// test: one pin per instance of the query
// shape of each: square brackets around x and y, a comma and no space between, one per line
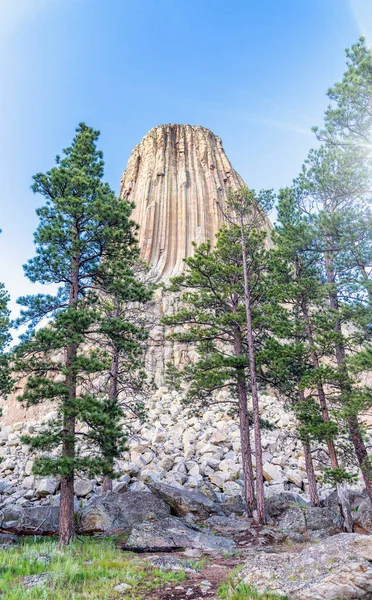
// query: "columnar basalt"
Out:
[175,176]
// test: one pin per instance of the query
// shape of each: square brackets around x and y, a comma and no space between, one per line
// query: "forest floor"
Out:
[95,569]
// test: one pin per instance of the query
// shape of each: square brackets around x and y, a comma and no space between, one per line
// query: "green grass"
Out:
[243,591]
[85,570]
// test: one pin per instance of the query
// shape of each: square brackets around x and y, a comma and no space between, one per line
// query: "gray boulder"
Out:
[38,519]
[363,516]
[46,487]
[119,512]
[309,518]
[5,487]
[173,532]
[280,503]
[83,487]
[183,501]
[10,515]
[355,496]
[339,567]
[233,505]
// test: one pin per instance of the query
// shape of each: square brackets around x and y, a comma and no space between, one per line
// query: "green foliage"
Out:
[335,476]
[213,314]
[85,243]
[244,591]
[87,568]
[348,119]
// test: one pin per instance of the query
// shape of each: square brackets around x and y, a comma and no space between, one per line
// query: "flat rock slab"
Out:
[174,532]
[119,512]
[309,518]
[339,567]
[184,501]
[33,519]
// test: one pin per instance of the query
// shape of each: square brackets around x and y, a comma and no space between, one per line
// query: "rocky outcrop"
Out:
[175,176]
[119,512]
[339,567]
[173,532]
[183,502]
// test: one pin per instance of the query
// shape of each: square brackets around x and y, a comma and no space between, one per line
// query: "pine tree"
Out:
[348,119]
[297,282]
[214,313]
[123,332]
[246,211]
[83,229]
[332,187]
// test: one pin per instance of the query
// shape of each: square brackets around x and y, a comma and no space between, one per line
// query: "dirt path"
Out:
[210,569]
[201,584]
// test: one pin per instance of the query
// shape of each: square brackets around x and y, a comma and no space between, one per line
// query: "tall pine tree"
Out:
[83,229]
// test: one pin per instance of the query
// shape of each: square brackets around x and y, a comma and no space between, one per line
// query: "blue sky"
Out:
[254,71]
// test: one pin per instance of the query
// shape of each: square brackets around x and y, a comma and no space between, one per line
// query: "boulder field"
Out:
[302,554]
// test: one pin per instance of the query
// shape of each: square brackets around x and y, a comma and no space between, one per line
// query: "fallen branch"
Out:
[149,549]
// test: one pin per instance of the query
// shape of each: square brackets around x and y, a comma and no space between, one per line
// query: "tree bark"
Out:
[342,491]
[313,488]
[320,389]
[66,507]
[245,437]
[261,516]
[345,508]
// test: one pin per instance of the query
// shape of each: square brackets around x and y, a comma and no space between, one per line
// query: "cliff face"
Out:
[174,177]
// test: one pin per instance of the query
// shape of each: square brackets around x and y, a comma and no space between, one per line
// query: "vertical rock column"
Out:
[174,177]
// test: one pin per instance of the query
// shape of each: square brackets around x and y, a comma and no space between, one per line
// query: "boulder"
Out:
[310,518]
[271,473]
[174,532]
[5,487]
[339,567]
[295,477]
[40,518]
[363,516]
[116,511]
[36,519]
[10,515]
[83,487]
[46,487]
[278,504]
[293,519]
[233,505]
[184,501]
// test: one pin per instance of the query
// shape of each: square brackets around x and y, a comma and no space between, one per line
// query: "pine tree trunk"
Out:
[246,449]
[345,508]
[261,516]
[361,452]
[320,389]
[66,508]
[66,511]
[342,491]
[313,488]
[245,438]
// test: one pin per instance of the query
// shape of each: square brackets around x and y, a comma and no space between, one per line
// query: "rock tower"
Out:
[174,176]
